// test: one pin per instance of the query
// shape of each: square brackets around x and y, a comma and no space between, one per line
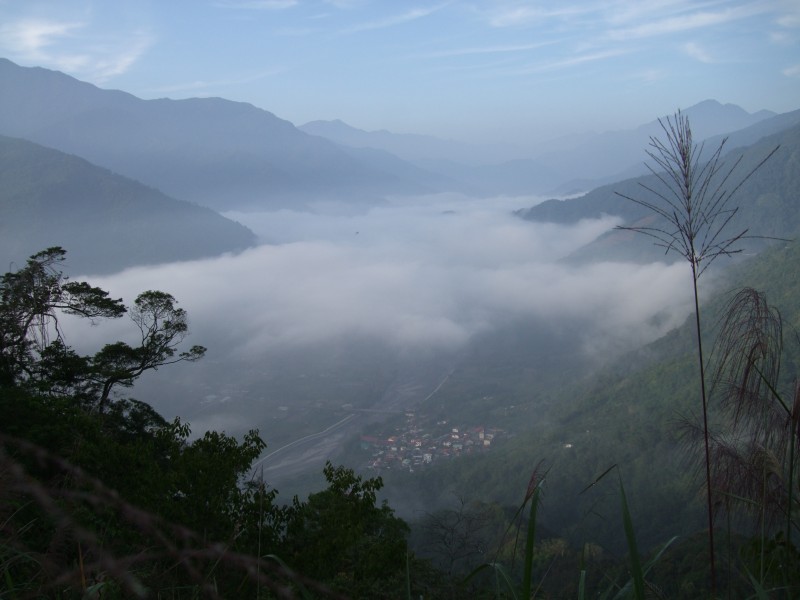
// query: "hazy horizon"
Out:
[485,71]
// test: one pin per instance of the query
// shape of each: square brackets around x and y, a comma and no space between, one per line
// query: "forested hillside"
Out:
[635,415]
[767,201]
[103,497]
[108,222]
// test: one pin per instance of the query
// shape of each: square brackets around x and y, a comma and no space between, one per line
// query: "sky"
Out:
[474,70]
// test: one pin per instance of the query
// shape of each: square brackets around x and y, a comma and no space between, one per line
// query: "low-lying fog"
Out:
[413,275]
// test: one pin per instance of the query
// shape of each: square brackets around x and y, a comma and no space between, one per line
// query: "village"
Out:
[415,445]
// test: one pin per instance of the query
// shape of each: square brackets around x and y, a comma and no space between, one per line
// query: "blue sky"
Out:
[480,70]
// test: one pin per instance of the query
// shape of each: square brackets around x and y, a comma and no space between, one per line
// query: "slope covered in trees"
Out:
[102,496]
[641,417]
[638,414]
[108,222]
[768,203]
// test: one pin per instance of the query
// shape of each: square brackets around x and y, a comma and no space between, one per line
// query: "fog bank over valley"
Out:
[366,295]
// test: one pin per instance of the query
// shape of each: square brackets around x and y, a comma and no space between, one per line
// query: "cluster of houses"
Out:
[411,447]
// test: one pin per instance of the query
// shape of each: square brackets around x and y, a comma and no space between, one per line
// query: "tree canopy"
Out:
[34,355]
[99,492]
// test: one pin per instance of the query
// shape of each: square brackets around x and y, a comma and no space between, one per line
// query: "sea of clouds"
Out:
[414,272]
[416,277]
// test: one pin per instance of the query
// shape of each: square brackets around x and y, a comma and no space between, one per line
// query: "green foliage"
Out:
[101,495]
[34,355]
[637,574]
[525,588]
[342,536]
[162,328]
[630,413]
[30,301]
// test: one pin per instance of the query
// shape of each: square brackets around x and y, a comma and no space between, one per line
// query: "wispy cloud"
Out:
[257,4]
[793,71]
[194,86]
[781,38]
[344,4]
[521,15]
[683,23]
[694,50]
[108,61]
[516,16]
[573,61]
[624,12]
[391,21]
[790,20]
[648,75]
[32,37]
[787,24]
[296,31]
[485,50]
[53,43]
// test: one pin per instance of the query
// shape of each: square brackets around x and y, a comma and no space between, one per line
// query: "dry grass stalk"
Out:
[753,463]
[693,201]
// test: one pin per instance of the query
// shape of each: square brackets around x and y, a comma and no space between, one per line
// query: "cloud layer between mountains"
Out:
[425,273]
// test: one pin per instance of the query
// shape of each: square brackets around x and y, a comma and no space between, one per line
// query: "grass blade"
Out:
[498,570]
[582,585]
[637,574]
[529,542]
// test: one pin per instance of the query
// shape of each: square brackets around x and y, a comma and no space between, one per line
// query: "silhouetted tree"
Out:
[32,348]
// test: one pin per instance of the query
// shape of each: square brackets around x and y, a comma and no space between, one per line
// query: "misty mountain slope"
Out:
[415,148]
[591,161]
[754,133]
[768,202]
[518,177]
[767,124]
[211,151]
[575,163]
[106,222]
[427,181]
[473,170]
[629,414]
[607,154]
[477,170]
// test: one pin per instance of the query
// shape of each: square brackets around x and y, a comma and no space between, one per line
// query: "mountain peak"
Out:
[710,117]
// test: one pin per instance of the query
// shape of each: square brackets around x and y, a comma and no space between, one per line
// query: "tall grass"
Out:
[694,203]
[531,501]
[635,587]
[755,457]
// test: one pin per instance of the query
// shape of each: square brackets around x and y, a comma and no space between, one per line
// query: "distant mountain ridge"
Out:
[106,222]
[232,155]
[211,151]
[768,201]
[575,163]
[414,148]
[619,154]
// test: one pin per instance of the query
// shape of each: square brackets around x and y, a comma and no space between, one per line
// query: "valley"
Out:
[431,332]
